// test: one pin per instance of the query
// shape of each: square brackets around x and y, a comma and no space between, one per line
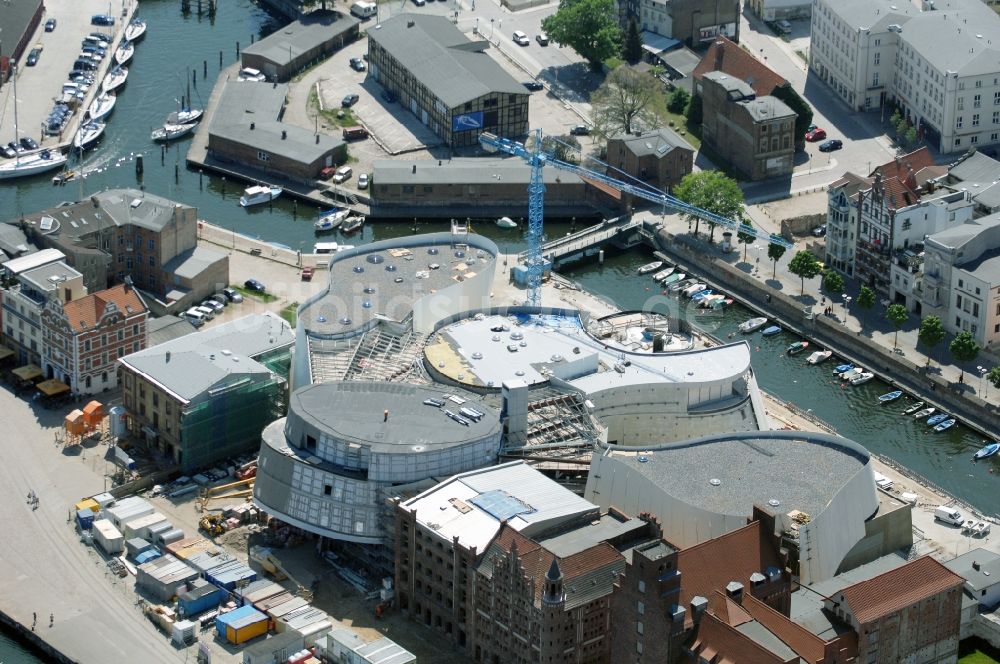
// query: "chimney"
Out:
[757,579]
[252,126]
[975,565]
[720,50]
[385,415]
[735,591]
[168,356]
[414,169]
[698,606]
[284,134]
[95,202]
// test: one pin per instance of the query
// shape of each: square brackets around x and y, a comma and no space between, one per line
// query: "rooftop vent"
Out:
[345,321]
[774,502]
[433,251]
[359,268]
[375,258]
[715,482]
[369,289]
[735,590]
[390,268]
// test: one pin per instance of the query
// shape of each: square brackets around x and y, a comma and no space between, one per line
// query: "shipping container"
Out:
[147,555]
[164,577]
[208,559]
[84,518]
[88,504]
[135,546]
[189,547]
[231,574]
[242,624]
[169,536]
[199,597]
[128,509]
[311,632]
[185,633]
[277,648]
[293,603]
[140,527]
[107,537]
[104,500]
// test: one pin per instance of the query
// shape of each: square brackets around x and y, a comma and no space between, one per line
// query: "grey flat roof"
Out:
[985,267]
[658,142]
[583,537]
[439,55]
[13,241]
[48,278]
[803,471]
[305,34]
[763,637]
[345,298]
[462,171]
[977,167]
[108,209]
[191,263]
[353,411]
[767,108]
[988,574]
[15,17]
[956,236]
[166,328]
[682,59]
[730,83]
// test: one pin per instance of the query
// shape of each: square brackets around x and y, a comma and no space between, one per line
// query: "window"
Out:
[135,330]
[152,261]
[638,647]
[974,139]
[642,586]
[975,119]
[977,101]
[86,346]
[979,84]
[263,156]
[961,103]
[638,627]
[640,608]
[958,122]
[407,188]
[121,335]
[877,57]
[152,243]
[875,80]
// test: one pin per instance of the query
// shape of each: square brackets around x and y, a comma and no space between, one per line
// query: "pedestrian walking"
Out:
[52,619]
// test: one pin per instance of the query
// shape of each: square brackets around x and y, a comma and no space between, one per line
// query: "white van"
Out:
[363,9]
[948,515]
[195,317]
[520,38]
[205,311]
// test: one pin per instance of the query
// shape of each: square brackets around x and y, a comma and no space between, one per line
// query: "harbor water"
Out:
[179,48]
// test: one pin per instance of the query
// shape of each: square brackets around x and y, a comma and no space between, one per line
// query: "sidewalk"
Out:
[871,324]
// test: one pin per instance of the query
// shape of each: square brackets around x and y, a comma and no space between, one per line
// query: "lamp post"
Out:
[982,374]
[847,301]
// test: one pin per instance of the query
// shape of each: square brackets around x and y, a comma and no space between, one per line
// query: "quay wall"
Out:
[25,634]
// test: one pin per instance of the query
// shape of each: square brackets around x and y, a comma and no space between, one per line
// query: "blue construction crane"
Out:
[537,158]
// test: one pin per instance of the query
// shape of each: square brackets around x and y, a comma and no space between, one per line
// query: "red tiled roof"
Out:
[899,588]
[83,314]
[901,166]
[806,645]
[898,194]
[728,57]
[717,641]
[711,565]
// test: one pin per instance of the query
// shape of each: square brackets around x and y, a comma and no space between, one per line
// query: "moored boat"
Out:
[114,79]
[797,347]
[663,274]
[934,420]
[680,285]
[701,295]
[694,288]
[914,408]
[352,225]
[88,134]
[31,164]
[709,301]
[170,132]
[889,397]
[819,356]
[944,426]
[331,219]
[926,412]
[752,325]
[771,331]
[862,378]
[851,373]
[135,30]
[841,368]
[674,278]
[986,452]
[506,222]
[102,106]
[650,267]
[185,116]
[124,52]
[259,194]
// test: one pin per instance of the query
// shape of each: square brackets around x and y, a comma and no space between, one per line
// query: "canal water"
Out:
[177,45]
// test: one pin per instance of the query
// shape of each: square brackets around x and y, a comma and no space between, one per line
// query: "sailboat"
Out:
[23,165]
[124,52]
[114,79]
[102,106]
[88,134]
[135,30]
[169,132]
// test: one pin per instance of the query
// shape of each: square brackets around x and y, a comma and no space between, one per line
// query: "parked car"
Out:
[102,19]
[389,96]
[103,36]
[232,295]
[307,274]
[343,174]
[831,145]
[254,285]
[357,64]
[363,181]
[50,25]
[8,151]
[819,231]
[220,298]
[815,134]
[534,86]
[33,57]
[349,100]
[520,38]
[580,130]
[14,147]
[213,305]
[418,3]
[542,39]
[28,143]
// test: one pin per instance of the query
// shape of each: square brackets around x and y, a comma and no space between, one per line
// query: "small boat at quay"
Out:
[170,132]
[944,426]
[926,412]
[797,347]
[694,288]
[185,116]
[986,452]
[88,134]
[352,225]
[135,30]
[102,106]
[709,301]
[32,164]
[701,295]
[124,52]
[663,274]
[674,278]
[771,331]
[115,79]
[259,194]
[819,356]
[650,267]
[841,368]
[752,325]
[506,222]
[889,397]
[914,408]
[851,373]
[331,219]
[680,284]
[862,378]
[934,420]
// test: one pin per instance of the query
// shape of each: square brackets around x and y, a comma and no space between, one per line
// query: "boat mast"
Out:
[17,140]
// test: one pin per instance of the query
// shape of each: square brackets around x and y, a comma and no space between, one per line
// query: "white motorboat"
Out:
[752,325]
[259,194]
[663,274]
[819,356]
[506,222]
[851,373]
[124,52]
[693,288]
[862,378]
[169,132]
[650,267]
[135,30]
[926,412]
[88,134]
[31,164]
[102,106]
[331,219]
[185,116]
[114,79]
[352,224]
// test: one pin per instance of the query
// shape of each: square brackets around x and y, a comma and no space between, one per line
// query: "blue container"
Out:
[201,597]
[146,556]
[236,615]
[85,519]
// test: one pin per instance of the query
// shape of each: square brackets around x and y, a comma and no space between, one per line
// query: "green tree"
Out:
[632,48]
[994,377]
[693,113]
[897,315]
[712,191]
[775,251]
[678,100]
[833,283]
[625,99]
[745,236]
[931,333]
[588,27]
[564,148]
[805,266]
[911,136]
[866,300]
[964,349]
[803,111]
[894,118]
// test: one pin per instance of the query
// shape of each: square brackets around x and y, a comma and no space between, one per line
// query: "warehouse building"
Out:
[300,44]
[21,19]
[447,81]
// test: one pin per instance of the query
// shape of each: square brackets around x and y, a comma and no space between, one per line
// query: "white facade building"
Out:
[842,221]
[872,52]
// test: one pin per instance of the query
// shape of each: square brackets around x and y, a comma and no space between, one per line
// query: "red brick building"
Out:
[84,338]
